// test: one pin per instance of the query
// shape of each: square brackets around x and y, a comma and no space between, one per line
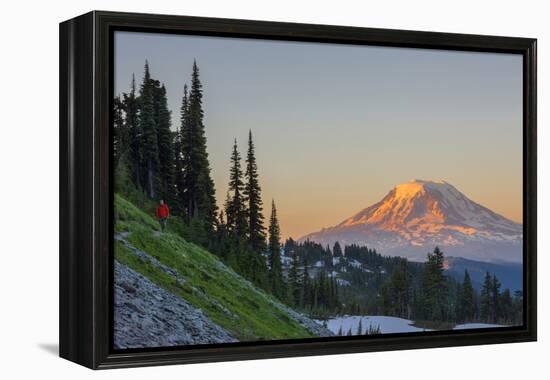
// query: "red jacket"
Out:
[163,211]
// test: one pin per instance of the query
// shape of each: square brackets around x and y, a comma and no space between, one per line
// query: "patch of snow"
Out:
[285,260]
[467,326]
[342,282]
[388,325]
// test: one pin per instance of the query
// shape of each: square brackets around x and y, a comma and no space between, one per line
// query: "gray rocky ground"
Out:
[149,316]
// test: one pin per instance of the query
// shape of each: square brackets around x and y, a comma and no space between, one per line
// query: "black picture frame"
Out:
[86,83]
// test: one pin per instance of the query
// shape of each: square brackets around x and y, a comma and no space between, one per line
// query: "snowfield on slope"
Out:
[475,326]
[388,325]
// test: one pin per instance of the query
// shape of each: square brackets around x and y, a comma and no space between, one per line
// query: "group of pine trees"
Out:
[152,162]
[435,297]
[160,163]
[242,238]
[143,140]
[499,307]
[318,294]
[378,285]
[313,283]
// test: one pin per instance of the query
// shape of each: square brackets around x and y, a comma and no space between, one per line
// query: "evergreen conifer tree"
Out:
[305,294]
[435,286]
[495,299]
[517,302]
[165,147]
[506,307]
[121,134]
[180,162]
[274,248]
[131,109]
[235,205]
[252,193]
[197,187]
[397,292]
[205,193]
[293,280]
[149,143]
[185,170]
[486,299]
[467,301]
[337,250]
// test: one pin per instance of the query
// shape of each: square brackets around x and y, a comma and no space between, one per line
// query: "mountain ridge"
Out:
[417,215]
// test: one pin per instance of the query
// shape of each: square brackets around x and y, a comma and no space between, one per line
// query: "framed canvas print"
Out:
[237,189]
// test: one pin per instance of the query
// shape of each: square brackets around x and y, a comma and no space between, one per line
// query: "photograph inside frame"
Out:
[273,190]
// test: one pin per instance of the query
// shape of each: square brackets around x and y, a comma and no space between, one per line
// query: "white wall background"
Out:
[29,188]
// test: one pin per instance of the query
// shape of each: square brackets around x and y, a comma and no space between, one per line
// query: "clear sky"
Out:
[338,126]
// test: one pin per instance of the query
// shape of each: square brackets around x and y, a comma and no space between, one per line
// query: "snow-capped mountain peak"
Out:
[420,214]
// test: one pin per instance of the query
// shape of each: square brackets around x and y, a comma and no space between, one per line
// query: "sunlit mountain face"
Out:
[416,216]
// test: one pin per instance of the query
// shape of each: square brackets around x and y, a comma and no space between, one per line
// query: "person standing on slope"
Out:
[163,212]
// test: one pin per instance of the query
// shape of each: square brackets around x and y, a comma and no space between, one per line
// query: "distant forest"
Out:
[154,162]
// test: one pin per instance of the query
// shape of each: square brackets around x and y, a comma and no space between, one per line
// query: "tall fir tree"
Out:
[121,134]
[337,250]
[252,193]
[485,309]
[506,307]
[180,178]
[165,141]
[435,286]
[197,188]
[495,299]
[293,279]
[517,302]
[150,157]
[131,109]
[204,193]
[274,249]
[467,299]
[395,293]
[235,205]
[305,289]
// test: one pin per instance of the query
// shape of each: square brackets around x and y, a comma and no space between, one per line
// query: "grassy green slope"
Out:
[225,297]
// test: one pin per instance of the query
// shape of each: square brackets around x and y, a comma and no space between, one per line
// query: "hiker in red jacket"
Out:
[162,214]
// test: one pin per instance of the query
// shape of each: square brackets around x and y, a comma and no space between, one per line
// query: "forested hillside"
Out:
[356,280]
